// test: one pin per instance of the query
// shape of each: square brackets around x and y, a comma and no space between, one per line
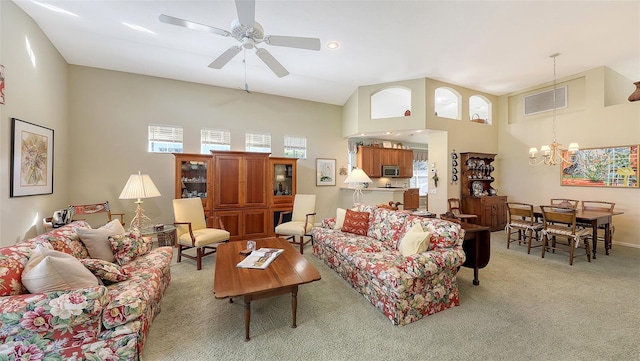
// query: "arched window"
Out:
[391,102]
[447,103]
[479,108]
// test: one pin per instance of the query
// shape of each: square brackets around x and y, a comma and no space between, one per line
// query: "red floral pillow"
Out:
[356,222]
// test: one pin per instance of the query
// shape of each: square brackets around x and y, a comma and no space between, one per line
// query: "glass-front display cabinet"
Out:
[193,177]
[283,184]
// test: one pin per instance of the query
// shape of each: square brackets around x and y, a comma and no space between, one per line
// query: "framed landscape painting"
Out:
[31,159]
[602,167]
[325,172]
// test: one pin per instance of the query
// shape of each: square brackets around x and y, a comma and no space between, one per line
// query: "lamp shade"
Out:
[139,186]
[358,176]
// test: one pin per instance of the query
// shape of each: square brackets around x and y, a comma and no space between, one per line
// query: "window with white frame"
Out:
[420,177]
[165,139]
[295,147]
[258,142]
[214,139]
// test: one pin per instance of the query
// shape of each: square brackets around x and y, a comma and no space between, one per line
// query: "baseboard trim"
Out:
[632,245]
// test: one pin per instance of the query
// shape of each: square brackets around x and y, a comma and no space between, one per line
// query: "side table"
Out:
[166,236]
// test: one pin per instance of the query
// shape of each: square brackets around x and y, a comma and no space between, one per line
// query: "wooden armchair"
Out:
[192,231]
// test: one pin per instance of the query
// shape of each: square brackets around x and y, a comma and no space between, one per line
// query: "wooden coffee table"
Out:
[282,276]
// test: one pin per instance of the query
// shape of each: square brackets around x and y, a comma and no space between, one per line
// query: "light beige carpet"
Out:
[525,308]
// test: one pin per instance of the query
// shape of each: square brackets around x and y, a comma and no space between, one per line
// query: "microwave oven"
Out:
[390,171]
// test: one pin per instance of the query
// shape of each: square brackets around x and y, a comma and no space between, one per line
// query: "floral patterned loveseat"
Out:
[105,322]
[404,289]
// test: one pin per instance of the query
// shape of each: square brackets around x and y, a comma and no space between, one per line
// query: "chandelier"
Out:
[552,153]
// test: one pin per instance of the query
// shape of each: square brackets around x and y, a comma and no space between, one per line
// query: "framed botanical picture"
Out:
[31,159]
[325,172]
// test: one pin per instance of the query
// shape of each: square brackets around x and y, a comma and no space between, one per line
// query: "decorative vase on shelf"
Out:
[635,96]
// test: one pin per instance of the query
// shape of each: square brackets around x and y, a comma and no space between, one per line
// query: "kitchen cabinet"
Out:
[371,160]
[477,195]
[193,178]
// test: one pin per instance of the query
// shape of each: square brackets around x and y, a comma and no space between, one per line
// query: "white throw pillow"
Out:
[48,270]
[340,214]
[97,240]
[414,241]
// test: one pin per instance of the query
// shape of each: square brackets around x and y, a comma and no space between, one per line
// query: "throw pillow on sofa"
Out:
[97,240]
[340,214]
[104,270]
[356,222]
[49,270]
[414,241]
[129,246]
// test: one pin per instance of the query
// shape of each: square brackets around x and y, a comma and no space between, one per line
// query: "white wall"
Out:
[36,93]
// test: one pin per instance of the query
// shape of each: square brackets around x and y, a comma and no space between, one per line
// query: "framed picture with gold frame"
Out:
[31,159]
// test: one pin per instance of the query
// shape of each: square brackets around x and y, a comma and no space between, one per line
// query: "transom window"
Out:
[295,147]
[258,142]
[447,103]
[214,139]
[165,139]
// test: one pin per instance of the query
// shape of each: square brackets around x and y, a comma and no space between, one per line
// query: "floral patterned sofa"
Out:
[107,322]
[403,288]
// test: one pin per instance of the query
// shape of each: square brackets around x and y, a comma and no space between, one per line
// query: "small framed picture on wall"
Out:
[325,172]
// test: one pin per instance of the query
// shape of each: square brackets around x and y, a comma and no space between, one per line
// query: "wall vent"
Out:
[543,101]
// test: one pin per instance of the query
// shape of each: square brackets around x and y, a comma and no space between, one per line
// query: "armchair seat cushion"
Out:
[294,228]
[204,236]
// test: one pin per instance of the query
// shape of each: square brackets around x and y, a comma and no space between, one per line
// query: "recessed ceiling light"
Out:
[333,45]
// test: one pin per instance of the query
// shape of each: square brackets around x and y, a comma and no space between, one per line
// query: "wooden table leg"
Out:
[594,237]
[247,317]
[294,305]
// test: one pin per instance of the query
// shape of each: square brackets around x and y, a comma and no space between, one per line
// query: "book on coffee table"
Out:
[261,258]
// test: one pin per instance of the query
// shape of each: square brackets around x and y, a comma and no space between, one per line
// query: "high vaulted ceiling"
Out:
[491,46]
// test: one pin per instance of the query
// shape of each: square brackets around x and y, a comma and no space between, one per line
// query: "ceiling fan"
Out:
[249,33]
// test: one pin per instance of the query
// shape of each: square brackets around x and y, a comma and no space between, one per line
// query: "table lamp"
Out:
[358,176]
[139,186]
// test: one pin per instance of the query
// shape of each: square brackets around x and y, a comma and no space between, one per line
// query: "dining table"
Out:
[595,219]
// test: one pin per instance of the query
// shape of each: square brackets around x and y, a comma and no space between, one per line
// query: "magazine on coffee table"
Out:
[260,258]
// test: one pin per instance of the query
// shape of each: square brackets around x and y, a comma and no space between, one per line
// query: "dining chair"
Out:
[302,218]
[551,216]
[89,209]
[192,231]
[602,206]
[521,219]
[565,202]
[454,208]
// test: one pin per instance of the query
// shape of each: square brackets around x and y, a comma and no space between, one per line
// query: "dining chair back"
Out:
[565,202]
[521,219]
[456,210]
[561,222]
[84,210]
[602,206]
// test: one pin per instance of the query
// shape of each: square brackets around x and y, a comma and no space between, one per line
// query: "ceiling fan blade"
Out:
[293,42]
[246,12]
[191,25]
[225,57]
[271,62]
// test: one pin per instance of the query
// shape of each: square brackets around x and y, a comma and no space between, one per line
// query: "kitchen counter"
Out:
[371,195]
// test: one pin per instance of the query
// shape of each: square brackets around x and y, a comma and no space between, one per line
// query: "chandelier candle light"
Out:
[139,186]
[358,176]
[552,153]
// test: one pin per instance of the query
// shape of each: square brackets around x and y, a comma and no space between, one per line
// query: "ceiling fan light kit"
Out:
[249,33]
